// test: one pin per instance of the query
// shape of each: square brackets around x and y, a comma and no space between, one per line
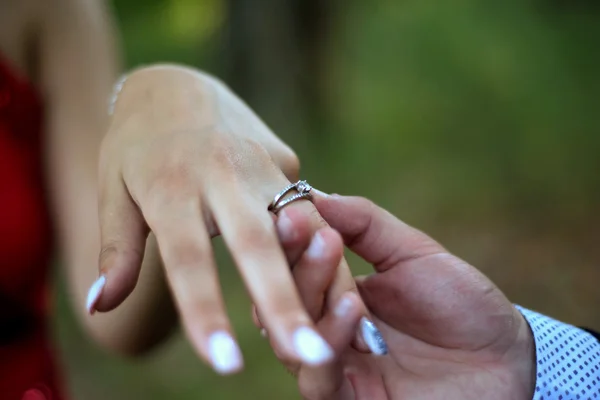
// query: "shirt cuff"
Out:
[568,359]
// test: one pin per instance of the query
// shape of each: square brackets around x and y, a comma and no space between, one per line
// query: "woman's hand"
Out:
[451,333]
[185,160]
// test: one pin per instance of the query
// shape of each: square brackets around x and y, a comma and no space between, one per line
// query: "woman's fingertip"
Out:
[225,354]
[317,246]
[285,227]
[311,348]
[94,294]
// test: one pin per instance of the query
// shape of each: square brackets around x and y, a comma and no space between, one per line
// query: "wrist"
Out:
[521,364]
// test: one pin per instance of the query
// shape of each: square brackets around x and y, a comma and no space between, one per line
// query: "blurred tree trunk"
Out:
[274,58]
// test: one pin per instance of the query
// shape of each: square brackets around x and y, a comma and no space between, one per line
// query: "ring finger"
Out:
[249,232]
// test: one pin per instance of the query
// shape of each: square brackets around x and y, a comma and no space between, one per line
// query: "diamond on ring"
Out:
[303,187]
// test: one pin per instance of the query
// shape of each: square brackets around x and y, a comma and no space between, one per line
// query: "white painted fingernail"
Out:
[373,337]
[343,307]
[285,226]
[224,353]
[311,347]
[94,294]
[317,246]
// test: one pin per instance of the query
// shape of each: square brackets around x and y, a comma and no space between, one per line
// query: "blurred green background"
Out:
[476,121]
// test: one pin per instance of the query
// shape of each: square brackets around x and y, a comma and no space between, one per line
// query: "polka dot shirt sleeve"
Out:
[568,360]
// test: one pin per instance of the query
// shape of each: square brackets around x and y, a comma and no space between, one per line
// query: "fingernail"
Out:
[285,226]
[343,307]
[224,353]
[311,347]
[373,338]
[94,294]
[317,246]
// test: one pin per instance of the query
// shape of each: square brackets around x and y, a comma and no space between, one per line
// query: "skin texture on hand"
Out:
[451,333]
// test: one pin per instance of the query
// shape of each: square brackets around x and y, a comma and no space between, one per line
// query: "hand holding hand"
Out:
[451,333]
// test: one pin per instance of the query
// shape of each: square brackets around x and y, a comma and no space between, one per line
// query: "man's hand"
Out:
[451,333]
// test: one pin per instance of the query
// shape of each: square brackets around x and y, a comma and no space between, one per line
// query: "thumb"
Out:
[381,296]
[123,240]
[372,232]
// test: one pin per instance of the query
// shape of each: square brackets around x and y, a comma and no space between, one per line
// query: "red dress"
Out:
[26,361]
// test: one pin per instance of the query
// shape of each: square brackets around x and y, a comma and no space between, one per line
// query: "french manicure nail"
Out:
[285,227]
[94,294]
[224,353]
[372,337]
[317,246]
[311,347]
[343,307]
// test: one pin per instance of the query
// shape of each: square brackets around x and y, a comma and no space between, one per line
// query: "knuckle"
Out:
[175,173]
[167,164]
[107,253]
[167,210]
[111,250]
[287,307]
[259,155]
[153,214]
[238,156]
[185,255]
[224,157]
[254,237]
[256,148]
[153,208]
[222,148]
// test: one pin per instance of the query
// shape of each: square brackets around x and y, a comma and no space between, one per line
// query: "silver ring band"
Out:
[303,189]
